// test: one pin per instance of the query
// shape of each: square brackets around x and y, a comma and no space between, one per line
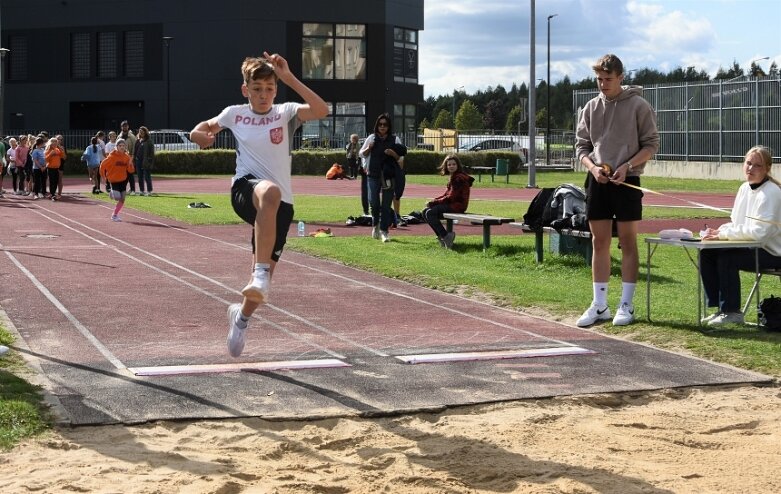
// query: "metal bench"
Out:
[486,220]
[586,249]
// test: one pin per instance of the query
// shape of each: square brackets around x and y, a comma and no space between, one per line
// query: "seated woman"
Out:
[755,216]
[454,200]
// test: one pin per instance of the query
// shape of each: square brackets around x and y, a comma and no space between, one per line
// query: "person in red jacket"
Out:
[116,168]
[454,200]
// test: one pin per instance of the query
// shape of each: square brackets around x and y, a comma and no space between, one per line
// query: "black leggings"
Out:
[15,172]
[54,179]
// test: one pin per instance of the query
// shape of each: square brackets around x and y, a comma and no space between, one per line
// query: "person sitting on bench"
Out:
[454,200]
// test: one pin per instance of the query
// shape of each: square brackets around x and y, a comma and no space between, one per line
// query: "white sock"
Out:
[261,267]
[627,293]
[600,294]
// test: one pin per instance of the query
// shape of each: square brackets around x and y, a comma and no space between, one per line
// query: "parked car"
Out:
[491,145]
[172,140]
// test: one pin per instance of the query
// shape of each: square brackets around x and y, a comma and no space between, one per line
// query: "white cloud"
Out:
[477,44]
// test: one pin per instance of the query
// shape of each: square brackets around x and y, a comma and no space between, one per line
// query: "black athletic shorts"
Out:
[608,201]
[241,200]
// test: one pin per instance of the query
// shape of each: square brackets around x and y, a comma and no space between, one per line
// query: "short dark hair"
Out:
[257,68]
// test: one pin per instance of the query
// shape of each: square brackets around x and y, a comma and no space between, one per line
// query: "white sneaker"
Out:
[594,314]
[706,320]
[115,217]
[624,315]
[3,350]
[257,289]
[376,232]
[236,335]
[448,240]
[726,318]
[385,237]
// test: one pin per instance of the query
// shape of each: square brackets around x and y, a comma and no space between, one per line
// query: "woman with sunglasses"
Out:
[381,152]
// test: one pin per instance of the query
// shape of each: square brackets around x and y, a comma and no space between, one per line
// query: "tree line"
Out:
[496,109]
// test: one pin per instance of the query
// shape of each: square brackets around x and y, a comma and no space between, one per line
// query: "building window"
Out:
[17,70]
[404,123]
[107,55]
[334,51]
[134,53]
[405,55]
[80,55]
[343,119]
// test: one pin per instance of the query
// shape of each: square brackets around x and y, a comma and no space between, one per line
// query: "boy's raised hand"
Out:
[281,67]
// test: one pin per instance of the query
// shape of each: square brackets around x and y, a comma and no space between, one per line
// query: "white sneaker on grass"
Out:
[706,320]
[3,350]
[385,237]
[257,289]
[376,232]
[236,334]
[624,315]
[593,314]
[727,318]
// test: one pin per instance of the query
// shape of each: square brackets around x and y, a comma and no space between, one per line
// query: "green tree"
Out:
[424,124]
[468,117]
[513,119]
[444,120]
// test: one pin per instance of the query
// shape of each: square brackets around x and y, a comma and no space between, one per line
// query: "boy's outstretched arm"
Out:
[314,108]
[205,132]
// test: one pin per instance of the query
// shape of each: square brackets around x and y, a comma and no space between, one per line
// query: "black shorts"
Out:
[608,201]
[241,200]
[5,170]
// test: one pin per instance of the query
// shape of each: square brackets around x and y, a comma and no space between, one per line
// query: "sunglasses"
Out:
[383,124]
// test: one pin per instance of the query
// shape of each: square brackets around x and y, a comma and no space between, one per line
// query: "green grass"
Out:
[22,412]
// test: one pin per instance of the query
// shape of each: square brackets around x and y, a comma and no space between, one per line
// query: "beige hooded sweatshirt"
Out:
[613,131]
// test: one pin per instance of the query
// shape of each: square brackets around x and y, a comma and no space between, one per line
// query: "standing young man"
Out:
[616,136]
[261,191]
[130,143]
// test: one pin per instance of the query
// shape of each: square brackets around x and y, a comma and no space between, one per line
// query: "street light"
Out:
[547,98]
[455,92]
[757,60]
[167,40]
[3,51]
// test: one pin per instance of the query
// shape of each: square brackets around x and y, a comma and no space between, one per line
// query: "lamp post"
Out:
[3,52]
[455,92]
[547,100]
[757,60]
[167,41]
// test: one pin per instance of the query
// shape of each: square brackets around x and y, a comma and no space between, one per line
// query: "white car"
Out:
[172,140]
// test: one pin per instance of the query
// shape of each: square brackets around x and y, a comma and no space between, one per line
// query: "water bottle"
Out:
[301,229]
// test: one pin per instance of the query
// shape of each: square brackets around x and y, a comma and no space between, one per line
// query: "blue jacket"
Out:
[93,157]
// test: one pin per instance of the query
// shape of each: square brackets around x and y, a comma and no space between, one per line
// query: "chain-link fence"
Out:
[712,121]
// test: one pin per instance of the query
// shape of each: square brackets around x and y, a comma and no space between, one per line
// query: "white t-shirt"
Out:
[264,142]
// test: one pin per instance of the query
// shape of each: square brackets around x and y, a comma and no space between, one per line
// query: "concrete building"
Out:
[82,64]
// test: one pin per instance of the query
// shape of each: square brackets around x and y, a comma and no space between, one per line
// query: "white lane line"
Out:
[427,358]
[76,323]
[174,370]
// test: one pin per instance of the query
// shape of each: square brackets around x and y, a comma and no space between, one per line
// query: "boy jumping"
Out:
[261,191]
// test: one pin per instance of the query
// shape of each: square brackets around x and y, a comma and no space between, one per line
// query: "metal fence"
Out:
[716,121]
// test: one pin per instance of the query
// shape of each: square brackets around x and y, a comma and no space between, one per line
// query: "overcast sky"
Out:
[481,43]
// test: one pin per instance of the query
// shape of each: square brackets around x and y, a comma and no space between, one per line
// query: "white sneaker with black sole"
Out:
[236,334]
[593,314]
[624,315]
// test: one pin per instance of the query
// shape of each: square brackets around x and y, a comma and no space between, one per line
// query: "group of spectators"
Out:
[35,161]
